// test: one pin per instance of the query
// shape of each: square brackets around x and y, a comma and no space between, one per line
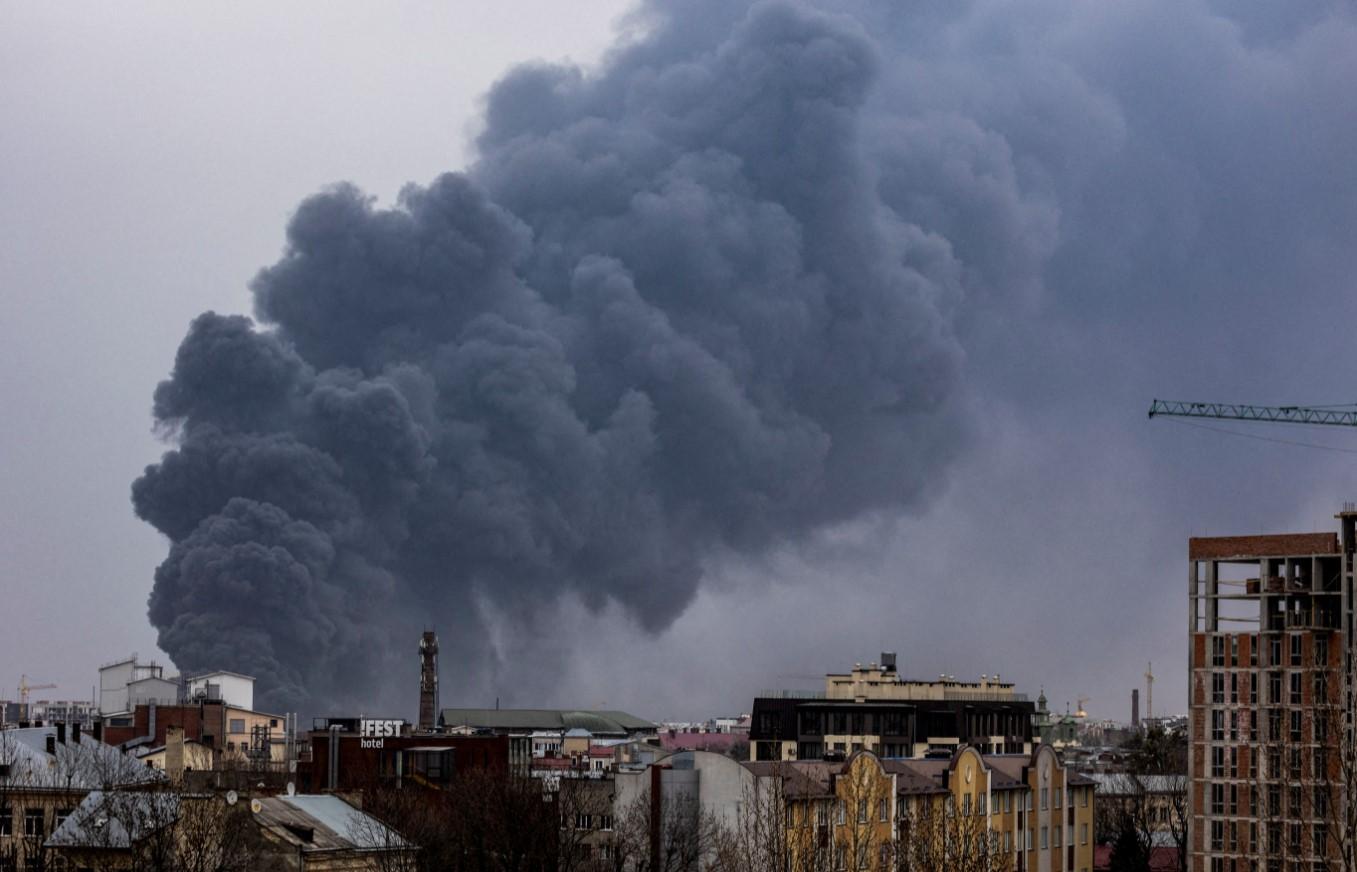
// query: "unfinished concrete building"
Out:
[1270,662]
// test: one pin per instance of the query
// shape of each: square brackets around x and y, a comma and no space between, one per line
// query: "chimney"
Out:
[75,733]
[1135,707]
[174,753]
[51,744]
[99,729]
[61,732]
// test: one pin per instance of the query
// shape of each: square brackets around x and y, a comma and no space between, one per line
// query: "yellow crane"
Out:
[25,687]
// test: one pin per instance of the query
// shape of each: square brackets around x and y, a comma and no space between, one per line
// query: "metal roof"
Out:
[115,820]
[330,822]
[87,765]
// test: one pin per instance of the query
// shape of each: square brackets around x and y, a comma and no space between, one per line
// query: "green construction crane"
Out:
[1341,416]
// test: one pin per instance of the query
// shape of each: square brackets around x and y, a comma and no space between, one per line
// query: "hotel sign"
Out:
[374,733]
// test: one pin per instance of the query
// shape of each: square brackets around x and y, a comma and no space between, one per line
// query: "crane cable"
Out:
[1262,438]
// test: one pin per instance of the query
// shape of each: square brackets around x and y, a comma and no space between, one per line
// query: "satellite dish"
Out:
[231,797]
[292,788]
[256,806]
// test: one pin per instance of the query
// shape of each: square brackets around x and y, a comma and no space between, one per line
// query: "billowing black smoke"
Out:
[665,315]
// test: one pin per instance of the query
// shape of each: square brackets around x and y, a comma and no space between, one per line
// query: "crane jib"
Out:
[1239,412]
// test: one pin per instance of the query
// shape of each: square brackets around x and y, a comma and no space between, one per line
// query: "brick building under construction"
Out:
[1270,757]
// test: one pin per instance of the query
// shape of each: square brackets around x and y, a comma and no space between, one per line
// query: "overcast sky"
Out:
[1134,200]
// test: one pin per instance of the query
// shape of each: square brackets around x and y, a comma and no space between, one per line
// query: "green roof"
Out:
[596,722]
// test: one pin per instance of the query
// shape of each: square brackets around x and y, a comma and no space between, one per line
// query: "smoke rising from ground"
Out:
[668,314]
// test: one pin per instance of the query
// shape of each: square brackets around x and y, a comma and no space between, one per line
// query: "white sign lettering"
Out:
[380,729]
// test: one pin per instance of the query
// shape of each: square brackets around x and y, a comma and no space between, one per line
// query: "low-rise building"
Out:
[45,772]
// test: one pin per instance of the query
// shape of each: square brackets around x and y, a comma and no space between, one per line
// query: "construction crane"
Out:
[1344,415]
[1080,701]
[25,687]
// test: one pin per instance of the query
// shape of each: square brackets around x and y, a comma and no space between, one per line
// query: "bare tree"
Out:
[937,836]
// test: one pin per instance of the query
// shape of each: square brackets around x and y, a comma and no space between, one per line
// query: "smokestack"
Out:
[1135,707]
[75,733]
[99,729]
[61,732]
[51,744]
[428,681]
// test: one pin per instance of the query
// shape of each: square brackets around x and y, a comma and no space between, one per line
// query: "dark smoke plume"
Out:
[665,315]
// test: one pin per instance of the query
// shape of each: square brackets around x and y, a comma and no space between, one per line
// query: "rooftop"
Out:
[1254,547]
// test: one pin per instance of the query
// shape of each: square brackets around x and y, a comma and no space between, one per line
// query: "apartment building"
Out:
[1270,665]
[1028,813]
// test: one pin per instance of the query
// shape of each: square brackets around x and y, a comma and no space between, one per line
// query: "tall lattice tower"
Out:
[428,681]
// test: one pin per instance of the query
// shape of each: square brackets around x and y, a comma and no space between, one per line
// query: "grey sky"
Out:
[1143,200]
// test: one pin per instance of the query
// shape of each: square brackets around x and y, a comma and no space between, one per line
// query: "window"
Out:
[1055,836]
[1217,762]
[605,822]
[841,812]
[1253,687]
[862,810]
[1321,687]
[1058,795]
[1045,797]
[1044,843]
[1321,650]
[1295,649]
[1295,763]
[1234,650]
[33,820]
[1274,687]
[1008,841]
[1217,725]
[882,811]
[1028,841]
[1218,651]
[1083,834]
[584,821]
[981,803]
[1218,688]
[6,822]
[1217,835]
[1083,797]
[237,725]
[1274,650]
[1234,687]
[1295,688]
[1295,725]
[1217,798]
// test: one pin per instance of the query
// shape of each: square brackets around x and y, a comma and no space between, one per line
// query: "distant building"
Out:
[599,724]
[875,709]
[232,688]
[123,684]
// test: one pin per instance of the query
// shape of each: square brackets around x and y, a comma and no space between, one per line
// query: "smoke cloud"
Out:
[669,313]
